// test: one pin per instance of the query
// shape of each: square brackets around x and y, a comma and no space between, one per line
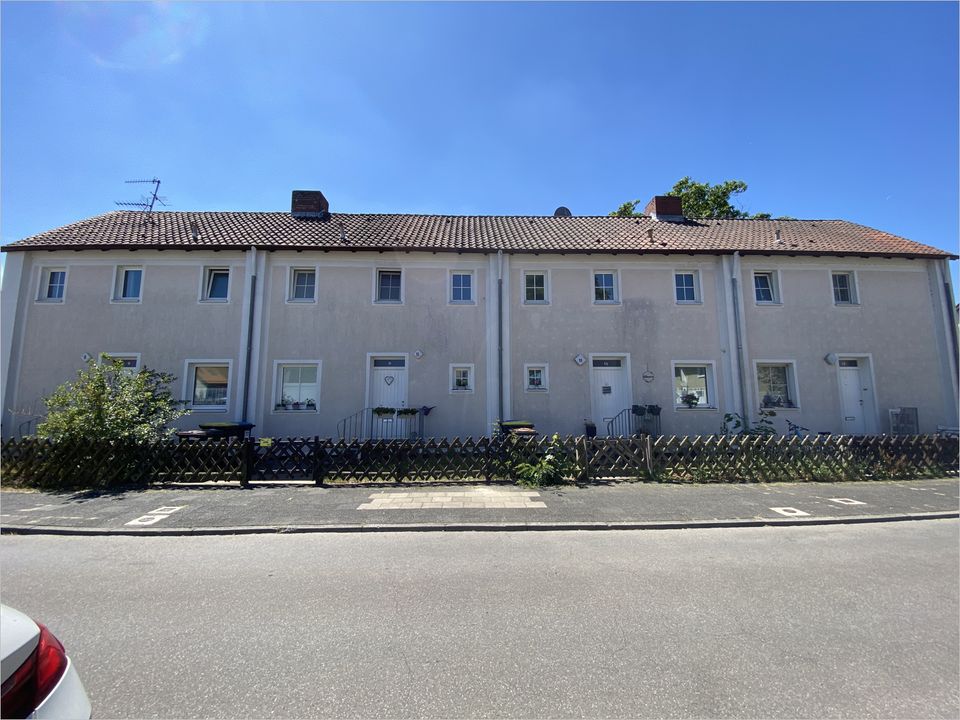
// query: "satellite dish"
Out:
[562,212]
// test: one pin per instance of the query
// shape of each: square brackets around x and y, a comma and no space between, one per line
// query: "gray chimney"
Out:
[309,203]
[665,207]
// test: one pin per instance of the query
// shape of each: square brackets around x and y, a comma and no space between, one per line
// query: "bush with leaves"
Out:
[553,467]
[103,421]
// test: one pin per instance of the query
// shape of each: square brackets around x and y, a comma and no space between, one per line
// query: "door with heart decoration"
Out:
[388,388]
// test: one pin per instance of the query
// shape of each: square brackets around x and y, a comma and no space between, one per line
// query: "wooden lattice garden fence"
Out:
[730,458]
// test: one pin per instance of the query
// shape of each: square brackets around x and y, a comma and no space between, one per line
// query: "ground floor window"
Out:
[209,385]
[536,377]
[776,385]
[297,387]
[693,385]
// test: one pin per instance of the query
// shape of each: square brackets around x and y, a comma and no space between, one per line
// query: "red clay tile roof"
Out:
[486,233]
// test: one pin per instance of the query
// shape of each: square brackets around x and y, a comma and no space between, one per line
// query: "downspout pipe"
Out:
[738,333]
[246,369]
[500,334]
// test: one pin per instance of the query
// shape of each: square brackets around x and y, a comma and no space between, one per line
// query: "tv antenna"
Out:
[146,201]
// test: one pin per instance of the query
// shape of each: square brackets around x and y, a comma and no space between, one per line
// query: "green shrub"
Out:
[553,467]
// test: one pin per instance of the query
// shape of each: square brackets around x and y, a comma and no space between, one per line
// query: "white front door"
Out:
[388,389]
[856,397]
[610,390]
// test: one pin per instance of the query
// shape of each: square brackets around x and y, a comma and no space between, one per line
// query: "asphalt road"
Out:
[833,621]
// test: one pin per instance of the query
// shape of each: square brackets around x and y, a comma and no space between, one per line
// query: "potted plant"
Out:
[287,402]
[383,411]
[407,411]
[690,400]
[311,404]
[297,405]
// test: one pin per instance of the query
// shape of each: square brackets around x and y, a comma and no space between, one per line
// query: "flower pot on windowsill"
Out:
[690,400]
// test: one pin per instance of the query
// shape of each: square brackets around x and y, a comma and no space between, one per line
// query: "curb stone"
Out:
[477,526]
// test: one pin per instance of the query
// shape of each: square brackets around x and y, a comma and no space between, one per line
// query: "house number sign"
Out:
[388,379]
[606,390]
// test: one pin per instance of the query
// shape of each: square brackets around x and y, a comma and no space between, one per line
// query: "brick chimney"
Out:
[665,207]
[309,203]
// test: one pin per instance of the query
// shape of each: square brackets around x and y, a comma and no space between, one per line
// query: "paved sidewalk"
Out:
[304,508]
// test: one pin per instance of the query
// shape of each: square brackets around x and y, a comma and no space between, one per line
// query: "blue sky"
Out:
[826,110]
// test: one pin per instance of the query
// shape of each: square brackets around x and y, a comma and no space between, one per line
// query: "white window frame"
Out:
[118,277]
[278,366]
[546,288]
[545,374]
[121,356]
[291,284]
[712,392]
[792,385]
[376,285]
[206,277]
[44,284]
[189,380]
[473,287]
[616,286]
[854,288]
[697,297]
[774,287]
[472,379]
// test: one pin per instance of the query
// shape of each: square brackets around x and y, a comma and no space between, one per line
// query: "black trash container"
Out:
[589,429]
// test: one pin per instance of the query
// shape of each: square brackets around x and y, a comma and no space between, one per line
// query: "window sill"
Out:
[293,411]
[126,301]
[301,301]
[468,303]
[461,391]
[536,389]
[778,408]
[606,302]
[388,302]
[45,301]
[689,302]
[536,302]
[768,303]
[221,301]
[849,304]
[684,408]
[208,408]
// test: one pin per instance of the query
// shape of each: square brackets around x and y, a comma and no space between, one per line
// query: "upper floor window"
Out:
[461,378]
[389,286]
[303,285]
[53,284]
[127,284]
[216,284]
[605,287]
[844,288]
[535,287]
[765,287]
[536,377]
[461,287]
[686,287]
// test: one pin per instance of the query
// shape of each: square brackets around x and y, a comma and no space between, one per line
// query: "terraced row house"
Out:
[317,323]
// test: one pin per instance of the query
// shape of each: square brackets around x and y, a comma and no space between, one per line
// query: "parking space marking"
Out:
[846,501]
[789,511]
[155,516]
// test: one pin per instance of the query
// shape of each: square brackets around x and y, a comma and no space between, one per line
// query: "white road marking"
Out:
[789,511]
[846,501]
[155,516]
[40,507]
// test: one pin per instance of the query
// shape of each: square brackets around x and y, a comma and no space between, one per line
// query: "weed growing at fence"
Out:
[552,468]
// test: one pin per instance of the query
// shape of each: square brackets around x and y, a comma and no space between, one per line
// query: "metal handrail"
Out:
[366,424]
[622,424]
